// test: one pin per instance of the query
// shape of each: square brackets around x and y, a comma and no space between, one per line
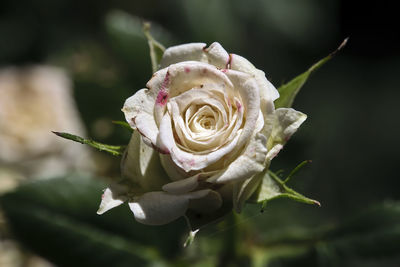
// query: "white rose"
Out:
[205,126]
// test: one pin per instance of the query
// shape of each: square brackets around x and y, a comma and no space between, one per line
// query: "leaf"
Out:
[289,90]
[57,219]
[156,48]
[128,35]
[128,42]
[296,170]
[114,150]
[123,124]
[272,188]
[372,234]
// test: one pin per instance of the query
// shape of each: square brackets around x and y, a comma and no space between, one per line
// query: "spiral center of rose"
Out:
[204,118]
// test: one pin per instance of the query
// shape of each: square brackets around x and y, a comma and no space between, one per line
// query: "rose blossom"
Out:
[205,130]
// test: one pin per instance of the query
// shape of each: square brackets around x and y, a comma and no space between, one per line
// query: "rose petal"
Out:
[184,52]
[211,202]
[249,93]
[244,189]
[173,171]
[274,151]
[139,113]
[157,208]
[215,54]
[267,91]
[186,75]
[191,134]
[185,160]
[141,164]
[111,199]
[182,186]
[158,85]
[251,162]
[284,122]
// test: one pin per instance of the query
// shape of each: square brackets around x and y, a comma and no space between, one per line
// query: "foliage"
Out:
[64,228]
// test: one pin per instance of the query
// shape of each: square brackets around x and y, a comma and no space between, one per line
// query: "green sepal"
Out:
[114,150]
[272,187]
[288,91]
[156,48]
[124,124]
[295,170]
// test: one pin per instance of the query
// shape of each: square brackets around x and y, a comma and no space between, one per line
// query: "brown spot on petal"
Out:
[134,121]
[187,69]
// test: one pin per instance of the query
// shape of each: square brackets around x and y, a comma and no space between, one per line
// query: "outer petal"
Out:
[190,74]
[141,164]
[139,113]
[243,190]
[285,123]
[252,161]
[185,52]
[111,199]
[211,202]
[215,54]
[174,172]
[157,208]
[267,90]
[274,151]
[182,186]
[280,126]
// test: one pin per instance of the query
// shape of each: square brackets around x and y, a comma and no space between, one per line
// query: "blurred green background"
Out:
[351,134]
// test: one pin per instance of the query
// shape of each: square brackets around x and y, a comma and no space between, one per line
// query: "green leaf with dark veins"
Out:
[289,90]
[156,48]
[114,150]
[272,187]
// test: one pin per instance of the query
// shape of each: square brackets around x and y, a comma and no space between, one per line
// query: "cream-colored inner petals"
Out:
[205,118]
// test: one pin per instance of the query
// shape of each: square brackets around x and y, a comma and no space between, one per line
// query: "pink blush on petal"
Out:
[162,98]
[238,105]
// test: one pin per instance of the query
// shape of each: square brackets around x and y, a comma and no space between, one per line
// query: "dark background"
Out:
[352,130]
